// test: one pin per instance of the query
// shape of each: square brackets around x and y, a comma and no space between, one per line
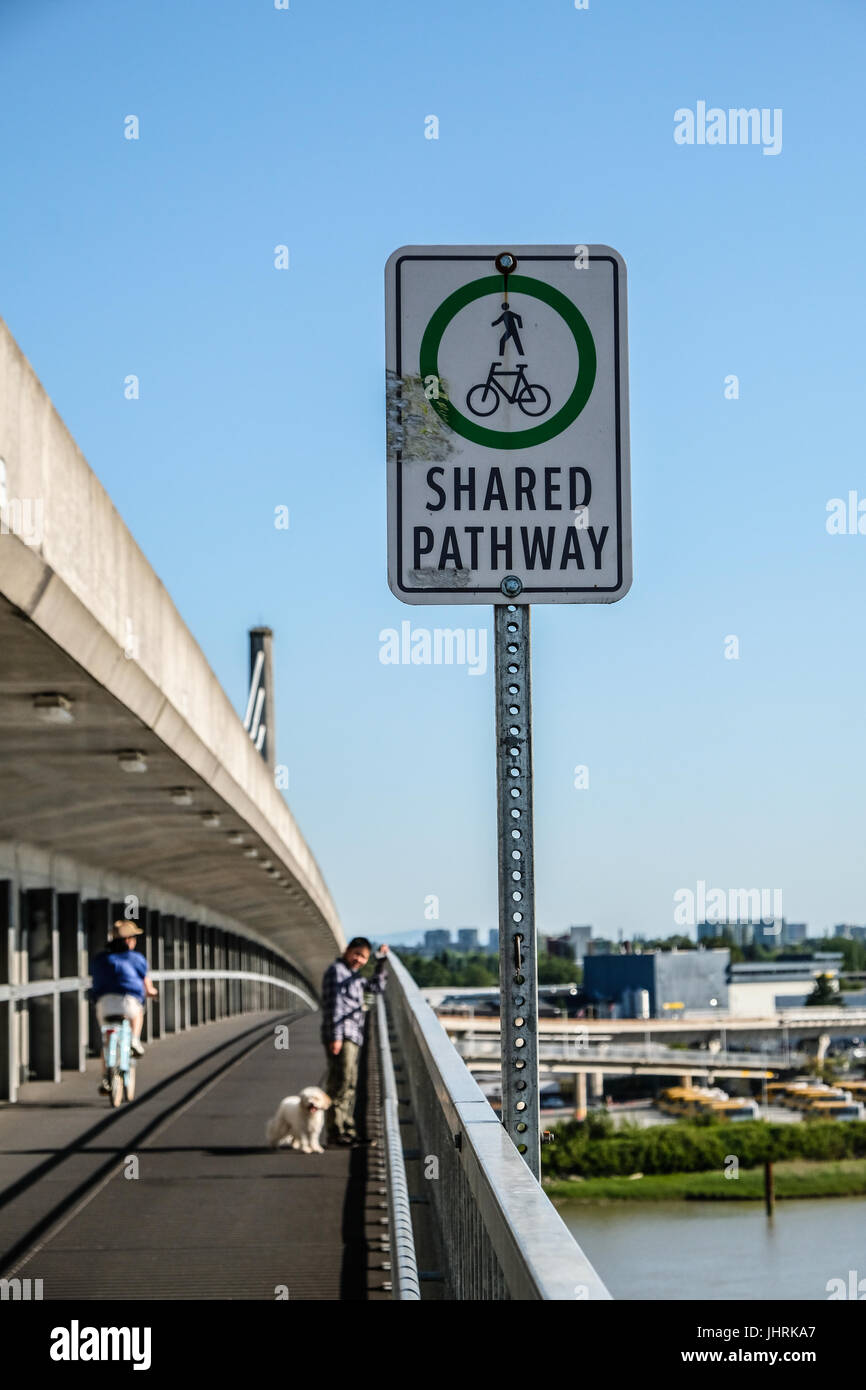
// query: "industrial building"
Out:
[664,984]
[658,984]
[760,988]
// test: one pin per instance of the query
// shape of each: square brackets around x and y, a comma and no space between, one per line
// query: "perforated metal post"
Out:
[518,967]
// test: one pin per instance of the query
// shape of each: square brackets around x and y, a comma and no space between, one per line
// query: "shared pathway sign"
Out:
[508,483]
[508,457]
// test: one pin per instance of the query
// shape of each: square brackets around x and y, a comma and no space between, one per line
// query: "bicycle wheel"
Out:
[115,1082]
[129,1084]
[484,406]
[534,400]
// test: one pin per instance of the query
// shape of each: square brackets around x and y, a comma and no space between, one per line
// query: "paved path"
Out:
[211,1213]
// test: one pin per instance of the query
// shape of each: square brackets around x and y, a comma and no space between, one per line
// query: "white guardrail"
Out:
[501,1236]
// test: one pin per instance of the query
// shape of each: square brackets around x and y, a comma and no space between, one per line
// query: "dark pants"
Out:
[341,1086]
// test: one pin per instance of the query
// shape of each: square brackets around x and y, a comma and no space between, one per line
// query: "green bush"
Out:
[587,1149]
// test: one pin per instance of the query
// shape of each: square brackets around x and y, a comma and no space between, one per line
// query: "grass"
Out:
[794,1178]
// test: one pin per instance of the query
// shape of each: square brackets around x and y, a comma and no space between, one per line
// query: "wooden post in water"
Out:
[769,1188]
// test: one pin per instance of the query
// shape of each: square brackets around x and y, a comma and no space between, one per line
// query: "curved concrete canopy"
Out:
[76,597]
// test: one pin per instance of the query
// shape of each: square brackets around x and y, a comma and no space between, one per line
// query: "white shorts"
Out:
[126,1005]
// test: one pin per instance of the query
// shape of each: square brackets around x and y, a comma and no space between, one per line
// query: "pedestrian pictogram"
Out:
[511,323]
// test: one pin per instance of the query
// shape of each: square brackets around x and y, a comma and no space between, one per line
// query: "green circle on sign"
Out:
[536,434]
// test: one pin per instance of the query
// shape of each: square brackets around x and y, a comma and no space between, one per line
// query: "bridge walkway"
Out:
[207,1211]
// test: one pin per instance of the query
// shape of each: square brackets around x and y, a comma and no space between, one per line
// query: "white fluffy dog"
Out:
[298,1121]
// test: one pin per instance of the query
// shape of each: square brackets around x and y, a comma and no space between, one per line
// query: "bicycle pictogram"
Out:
[529,396]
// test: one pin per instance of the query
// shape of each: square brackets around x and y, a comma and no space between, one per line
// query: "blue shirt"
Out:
[343,1001]
[119,972]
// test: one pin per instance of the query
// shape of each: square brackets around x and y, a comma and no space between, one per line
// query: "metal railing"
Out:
[500,1235]
[405,1282]
[34,989]
[594,1055]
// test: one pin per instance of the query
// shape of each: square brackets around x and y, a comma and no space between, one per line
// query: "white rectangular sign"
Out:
[508,460]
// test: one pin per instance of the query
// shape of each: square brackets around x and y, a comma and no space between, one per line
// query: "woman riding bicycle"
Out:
[121,984]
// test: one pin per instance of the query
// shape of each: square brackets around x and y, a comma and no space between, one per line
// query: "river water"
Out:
[722,1250]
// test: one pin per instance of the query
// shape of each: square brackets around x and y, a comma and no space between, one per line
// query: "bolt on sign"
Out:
[508,449]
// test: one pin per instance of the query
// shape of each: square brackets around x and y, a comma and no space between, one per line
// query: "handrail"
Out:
[33,989]
[404,1263]
[501,1235]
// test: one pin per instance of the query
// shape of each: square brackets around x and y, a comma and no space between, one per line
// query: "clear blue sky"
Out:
[262,387]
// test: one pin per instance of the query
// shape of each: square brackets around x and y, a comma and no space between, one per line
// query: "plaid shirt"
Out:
[343,1000]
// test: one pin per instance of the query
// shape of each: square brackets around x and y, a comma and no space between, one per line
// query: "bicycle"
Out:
[530,397]
[118,1058]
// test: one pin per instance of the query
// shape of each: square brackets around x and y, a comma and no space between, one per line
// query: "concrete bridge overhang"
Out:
[82,614]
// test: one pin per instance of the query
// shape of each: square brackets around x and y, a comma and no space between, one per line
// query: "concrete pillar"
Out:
[153,1007]
[195,990]
[181,962]
[216,959]
[43,964]
[231,964]
[8,976]
[229,986]
[97,924]
[596,1087]
[73,1005]
[189,964]
[188,987]
[207,964]
[580,1095]
[169,987]
[686,1081]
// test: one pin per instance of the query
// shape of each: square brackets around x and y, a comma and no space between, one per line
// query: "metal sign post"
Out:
[508,483]
[518,968]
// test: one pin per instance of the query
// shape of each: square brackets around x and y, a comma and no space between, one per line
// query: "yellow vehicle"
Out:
[737,1110]
[796,1090]
[804,1100]
[776,1091]
[699,1100]
[838,1109]
[672,1100]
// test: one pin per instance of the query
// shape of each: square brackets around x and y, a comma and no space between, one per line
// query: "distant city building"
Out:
[850,933]
[467,938]
[580,938]
[658,984]
[572,945]
[793,933]
[601,946]
[770,935]
[437,940]
[493,939]
[559,946]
